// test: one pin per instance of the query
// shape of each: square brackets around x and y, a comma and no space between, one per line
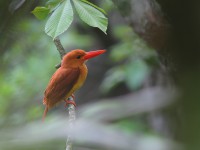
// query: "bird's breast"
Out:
[82,77]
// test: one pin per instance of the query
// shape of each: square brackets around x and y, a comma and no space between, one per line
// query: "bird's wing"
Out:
[60,85]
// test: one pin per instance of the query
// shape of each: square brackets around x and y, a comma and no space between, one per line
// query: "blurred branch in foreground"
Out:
[85,134]
[89,132]
[146,100]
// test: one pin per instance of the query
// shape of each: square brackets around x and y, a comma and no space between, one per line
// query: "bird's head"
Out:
[77,57]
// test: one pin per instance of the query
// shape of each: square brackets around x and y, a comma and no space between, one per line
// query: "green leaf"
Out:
[52,4]
[91,15]
[60,20]
[100,9]
[41,12]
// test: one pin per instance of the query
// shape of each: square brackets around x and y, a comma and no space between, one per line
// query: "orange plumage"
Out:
[68,78]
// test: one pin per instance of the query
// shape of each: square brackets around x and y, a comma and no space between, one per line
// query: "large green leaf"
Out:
[91,15]
[60,20]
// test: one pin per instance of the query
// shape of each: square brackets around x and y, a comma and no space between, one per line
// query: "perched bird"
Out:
[68,78]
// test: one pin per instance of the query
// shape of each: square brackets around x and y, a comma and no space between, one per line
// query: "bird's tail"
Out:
[45,113]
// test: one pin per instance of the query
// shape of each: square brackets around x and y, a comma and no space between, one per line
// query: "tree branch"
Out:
[72,118]
[59,46]
[60,49]
[71,107]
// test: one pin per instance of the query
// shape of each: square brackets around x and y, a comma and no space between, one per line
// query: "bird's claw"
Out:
[70,100]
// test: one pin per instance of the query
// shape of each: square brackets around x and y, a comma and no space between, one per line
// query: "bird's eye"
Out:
[78,57]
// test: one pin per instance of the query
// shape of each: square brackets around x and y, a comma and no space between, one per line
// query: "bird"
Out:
[68,78]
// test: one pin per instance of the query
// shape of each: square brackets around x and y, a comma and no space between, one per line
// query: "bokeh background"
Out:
[143,94]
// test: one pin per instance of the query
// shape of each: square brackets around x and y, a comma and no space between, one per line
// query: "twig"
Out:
[60,49]
[71,108]
[72,118]
[59,46]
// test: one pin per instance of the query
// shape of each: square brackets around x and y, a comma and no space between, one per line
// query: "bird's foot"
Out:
[70,100]
[72,96]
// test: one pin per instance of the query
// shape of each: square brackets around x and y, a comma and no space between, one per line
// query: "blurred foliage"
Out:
[131,126]
[134,60]
[25,74]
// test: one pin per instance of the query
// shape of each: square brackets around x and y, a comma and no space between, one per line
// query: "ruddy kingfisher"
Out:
[68,78]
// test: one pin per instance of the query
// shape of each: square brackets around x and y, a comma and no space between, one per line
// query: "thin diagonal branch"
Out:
[59,46]
[60,49]
[71,107]
[72,118]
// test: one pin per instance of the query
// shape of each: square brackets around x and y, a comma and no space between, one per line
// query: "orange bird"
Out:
[68,78]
